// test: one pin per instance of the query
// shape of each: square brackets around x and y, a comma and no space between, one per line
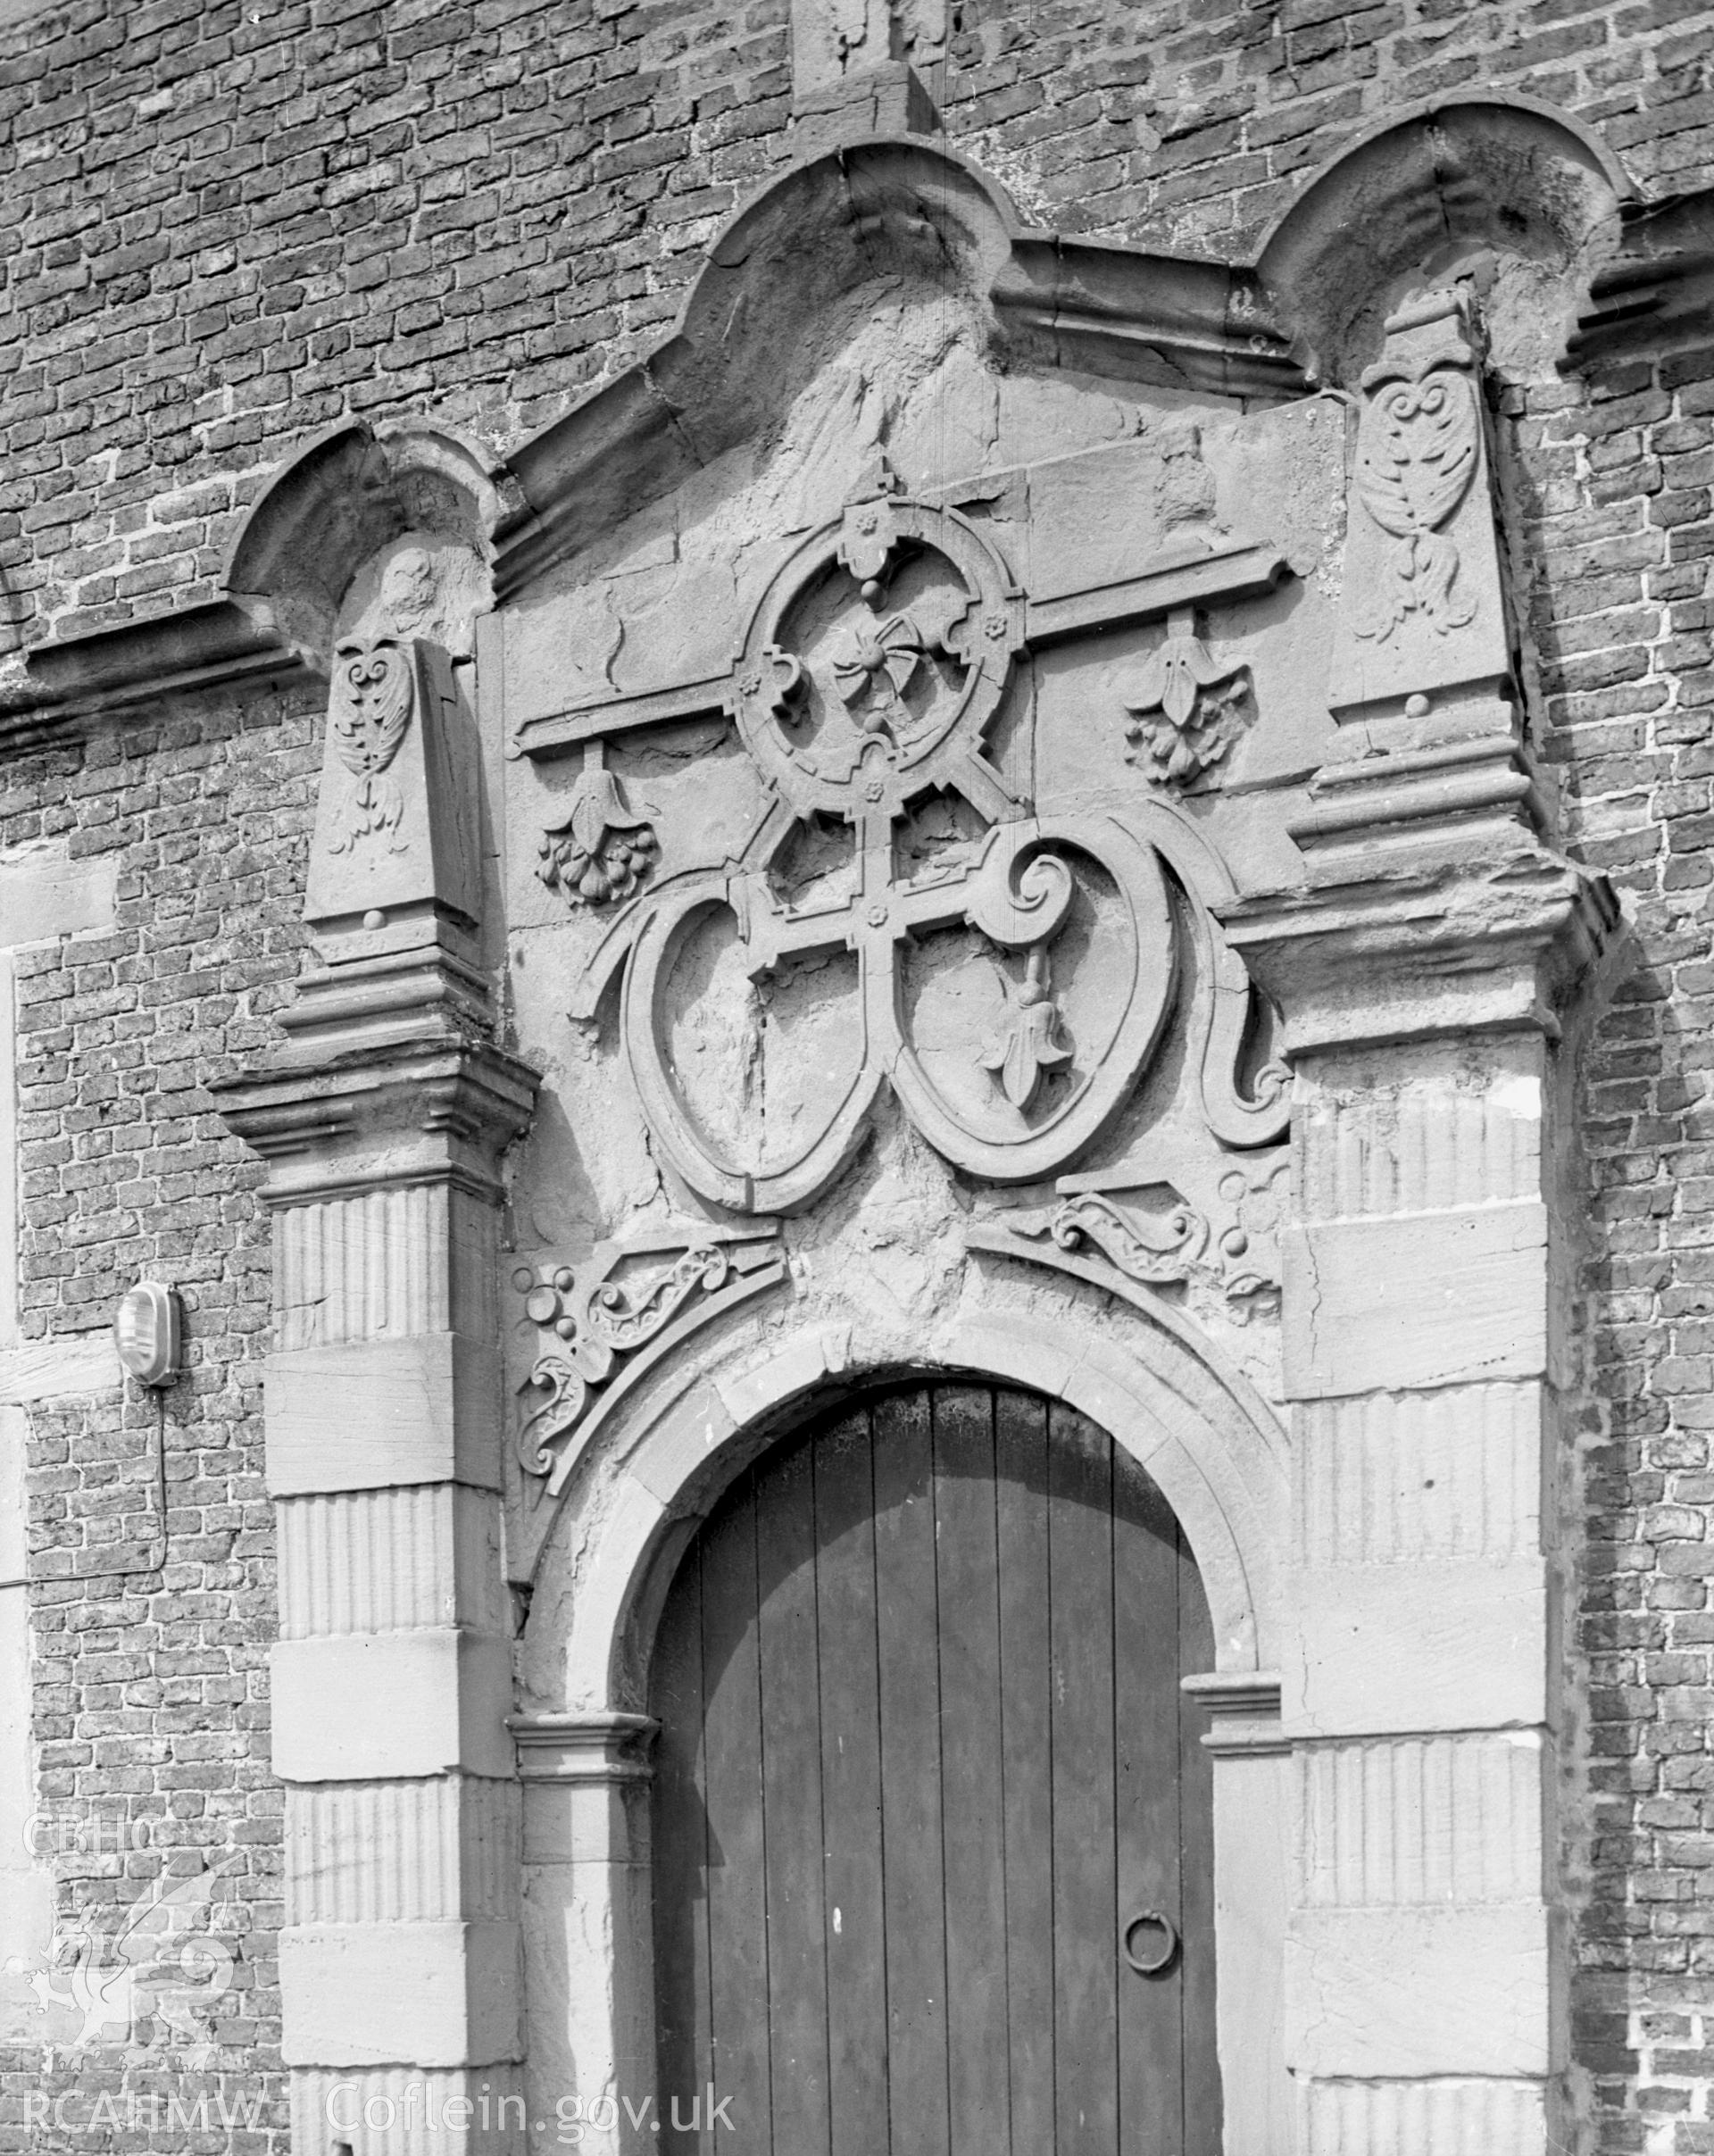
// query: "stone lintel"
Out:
[437,1993]
[373,1706]
[1490,944]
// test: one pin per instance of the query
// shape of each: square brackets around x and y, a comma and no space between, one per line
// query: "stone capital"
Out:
[1421,953]
[584,1747]
[431,1108]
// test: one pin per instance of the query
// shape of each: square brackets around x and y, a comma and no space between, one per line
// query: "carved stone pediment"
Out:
[1006,973]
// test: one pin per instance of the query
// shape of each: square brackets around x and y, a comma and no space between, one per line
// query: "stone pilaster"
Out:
[383,1122]
[587,1922]
[1425,973]
[1423,1308]
[401,1960]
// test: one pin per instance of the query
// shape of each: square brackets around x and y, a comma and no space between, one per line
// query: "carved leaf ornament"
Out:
[1187,709]
[602,851]
[1416,457]
[871,671]
[372,706]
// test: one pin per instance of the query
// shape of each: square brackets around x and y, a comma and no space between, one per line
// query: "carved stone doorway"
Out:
[932,1823]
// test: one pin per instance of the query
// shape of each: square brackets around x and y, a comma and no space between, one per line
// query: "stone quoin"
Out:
[866,847]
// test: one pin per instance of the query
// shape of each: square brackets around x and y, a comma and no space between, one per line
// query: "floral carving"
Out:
[603,849]
[1188,709]
[874,669]
[373,695]
[1415,458]
[587,1321]
[1027,1044]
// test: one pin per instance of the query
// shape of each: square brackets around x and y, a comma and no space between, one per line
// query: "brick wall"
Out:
[222,226]
[1622,533]
[151,1712]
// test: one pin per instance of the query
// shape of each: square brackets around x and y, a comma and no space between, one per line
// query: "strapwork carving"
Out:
[1417,449]
[590,1319]
[874,667]
[373,695]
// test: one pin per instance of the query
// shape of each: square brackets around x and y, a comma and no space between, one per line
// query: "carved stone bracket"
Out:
[627,1306]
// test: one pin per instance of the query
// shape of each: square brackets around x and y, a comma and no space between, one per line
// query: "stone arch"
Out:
[1501,188]
[349,492]
[1142,1374]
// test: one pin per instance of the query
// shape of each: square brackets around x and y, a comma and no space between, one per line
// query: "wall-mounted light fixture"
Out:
[148,1331]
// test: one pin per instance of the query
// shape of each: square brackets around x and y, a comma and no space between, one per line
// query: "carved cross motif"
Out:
[873,666]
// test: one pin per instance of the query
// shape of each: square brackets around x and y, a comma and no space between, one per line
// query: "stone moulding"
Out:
[1305,313]
[996,1239]
[603,1316]
[1125,313]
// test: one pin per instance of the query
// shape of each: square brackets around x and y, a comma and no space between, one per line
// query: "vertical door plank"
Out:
[1080,1553]
[851,1787]
[1145,1643]
[916,1946]
[791,1774]
[737,1889]
[680,1845]
[1026,1682]
[1201,2067]
[973,1782]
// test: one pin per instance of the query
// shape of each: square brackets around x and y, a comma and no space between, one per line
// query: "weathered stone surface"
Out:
[1385,880]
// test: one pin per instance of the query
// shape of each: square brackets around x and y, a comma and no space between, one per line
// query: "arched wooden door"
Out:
[923,1759]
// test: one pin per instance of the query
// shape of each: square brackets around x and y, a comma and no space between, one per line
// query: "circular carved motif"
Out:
[877,658]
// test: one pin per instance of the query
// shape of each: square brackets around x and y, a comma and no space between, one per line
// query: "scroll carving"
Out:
[1153,1234]
[592,1319]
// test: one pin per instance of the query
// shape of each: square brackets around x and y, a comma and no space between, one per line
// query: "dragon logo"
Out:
[157,1980]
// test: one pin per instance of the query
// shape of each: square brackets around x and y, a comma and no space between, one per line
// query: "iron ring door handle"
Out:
[1157,1965]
